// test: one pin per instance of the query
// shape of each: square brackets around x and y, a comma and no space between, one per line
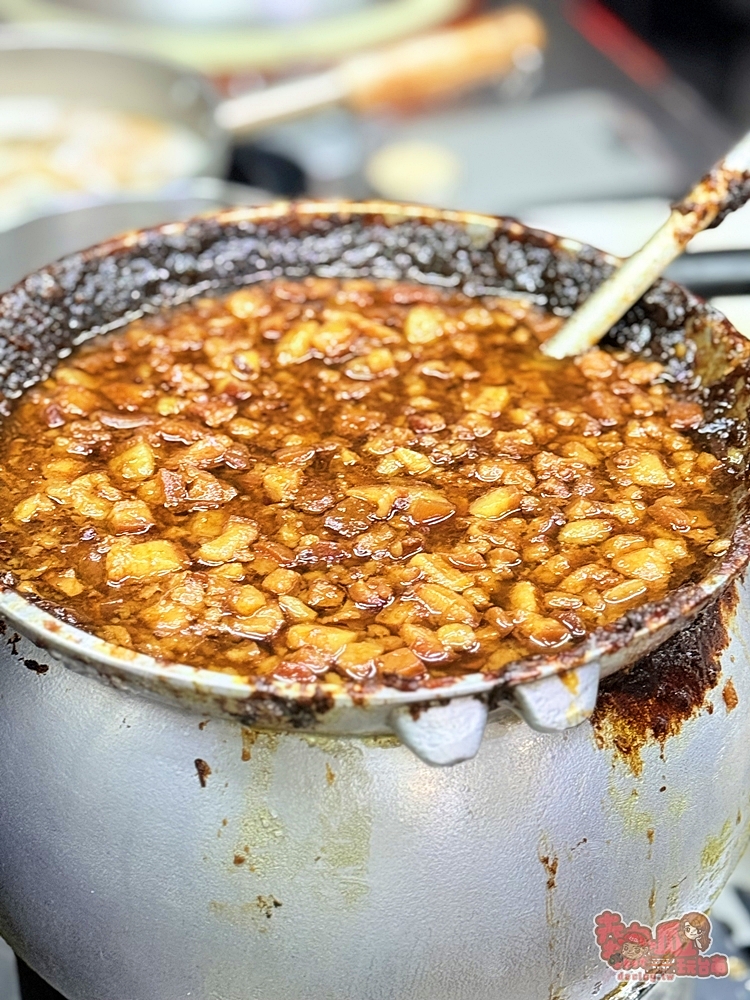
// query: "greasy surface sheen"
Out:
[345,480]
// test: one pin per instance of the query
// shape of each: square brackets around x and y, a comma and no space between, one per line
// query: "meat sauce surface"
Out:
[352,482]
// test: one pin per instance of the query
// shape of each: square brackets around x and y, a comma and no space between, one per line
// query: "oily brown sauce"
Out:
[347,481]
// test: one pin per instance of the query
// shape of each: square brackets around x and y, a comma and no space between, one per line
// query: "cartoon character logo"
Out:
[695,927]
[672,948]
[635,946]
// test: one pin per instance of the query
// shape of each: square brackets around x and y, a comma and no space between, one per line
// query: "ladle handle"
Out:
[723,190]
[411,72]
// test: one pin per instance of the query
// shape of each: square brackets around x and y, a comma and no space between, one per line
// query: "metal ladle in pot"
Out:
[724,189]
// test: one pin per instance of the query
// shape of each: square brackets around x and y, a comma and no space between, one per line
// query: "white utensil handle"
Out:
[723,190]
[611,301]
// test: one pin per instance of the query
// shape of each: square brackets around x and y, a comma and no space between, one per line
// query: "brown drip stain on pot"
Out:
[649,701]
[253,912]
[729,694]
[203,771]
[716,847]
[249,736]
[36,666]
[571,681]
[550,862]
[550,865]
[267,904]
[616,992]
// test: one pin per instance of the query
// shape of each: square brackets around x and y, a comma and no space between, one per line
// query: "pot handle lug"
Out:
[441,734]
[560,702]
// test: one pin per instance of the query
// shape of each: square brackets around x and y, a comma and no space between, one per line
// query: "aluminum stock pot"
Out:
[167,832]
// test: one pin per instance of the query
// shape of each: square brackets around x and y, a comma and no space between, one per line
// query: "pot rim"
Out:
[641,630]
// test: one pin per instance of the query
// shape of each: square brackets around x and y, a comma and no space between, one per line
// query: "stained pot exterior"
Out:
[337,868]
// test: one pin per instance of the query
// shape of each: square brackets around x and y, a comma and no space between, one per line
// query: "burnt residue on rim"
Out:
[64,303]
[731,187]
[269,708]
[649,701]
[158,268]
[45,316]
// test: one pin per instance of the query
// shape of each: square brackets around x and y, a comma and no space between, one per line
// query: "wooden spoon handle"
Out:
[723,190]
[423,68]
[435,65]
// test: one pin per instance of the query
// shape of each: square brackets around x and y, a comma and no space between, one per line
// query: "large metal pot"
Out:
[167,832]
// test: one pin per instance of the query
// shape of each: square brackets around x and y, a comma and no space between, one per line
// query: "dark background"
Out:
[706,42]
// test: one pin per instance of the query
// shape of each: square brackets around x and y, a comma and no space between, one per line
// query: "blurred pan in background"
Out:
[40,241]
[231,36]
[83,118]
